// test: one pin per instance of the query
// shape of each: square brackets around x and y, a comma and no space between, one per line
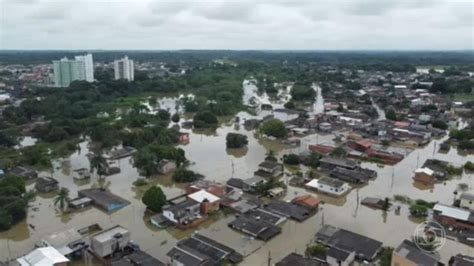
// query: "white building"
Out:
[43,256]
[88,66]
[329,186]
[467,201]
[124,69]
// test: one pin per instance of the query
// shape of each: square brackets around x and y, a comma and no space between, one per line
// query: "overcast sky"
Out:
[237,24]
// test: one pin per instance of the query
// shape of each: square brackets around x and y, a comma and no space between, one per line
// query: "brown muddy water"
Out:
[209,156]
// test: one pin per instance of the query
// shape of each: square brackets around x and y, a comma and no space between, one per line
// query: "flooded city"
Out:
[208,155]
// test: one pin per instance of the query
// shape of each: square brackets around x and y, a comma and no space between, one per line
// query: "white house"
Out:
[329,186]
[467,201]
[43,256]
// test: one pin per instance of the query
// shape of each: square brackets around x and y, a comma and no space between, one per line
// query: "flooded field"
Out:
[209,156]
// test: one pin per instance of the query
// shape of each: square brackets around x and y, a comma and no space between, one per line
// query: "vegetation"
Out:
[339,152]
[302,93]
[291,159]
[204,119]
[13,201]
[140,182]
[274,127]
[271,156]
[147,158]
[62,198]
[271,183]
[385,256]
[175,118]
[317,250]
[453,170]
[469,166]
[183,175]
[236,140]
[154,198]
[390,114]
[439,124]
[420,208]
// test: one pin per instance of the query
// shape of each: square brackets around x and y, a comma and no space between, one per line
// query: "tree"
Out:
[13,201]
[391,115]
[289,105]
[274,127]
[62,198]
[339,152]
[175,117]
[236,140]
[302,93]
[386,256]
[204,119]
[439,124]
[271,156]
[317,250]
[98,163]
[163,115]
[291,159]
[183,175]
[418,210]
[154,198]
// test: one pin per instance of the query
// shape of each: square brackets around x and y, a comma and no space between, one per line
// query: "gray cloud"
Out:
[236,24]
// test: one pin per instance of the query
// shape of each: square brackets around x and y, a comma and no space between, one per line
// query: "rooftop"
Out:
[297,259]
[410,251]
[453,212]
[202,195]
[42,256]
[108,234]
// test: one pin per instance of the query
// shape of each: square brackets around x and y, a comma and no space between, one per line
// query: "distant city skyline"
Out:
[237,25]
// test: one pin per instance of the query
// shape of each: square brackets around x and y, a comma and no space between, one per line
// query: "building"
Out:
[329,186]
[425,176]
[107,242]
[103,199]
[467,201]
[43,256]
[339,257]
[293,259]
[209,202]
[358,175]
[269,169]
[69,243]
[365,248]
[138,257]
[124,69]
[408,254]
[456,218]
[88,66]
[166,166]
[203,249]
[461,260]
[329,163]
[184,212]
[23,172]
[290,210]
[67,71]
[46,184]
[307,201]
[254,227]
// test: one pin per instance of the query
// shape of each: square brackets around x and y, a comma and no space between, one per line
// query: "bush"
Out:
[391,115]
[13,201]
[154,198]
[140,182]
[182,175]
[453,170]
[175,118]
[469,166]
[289,105]
[439,124]
[418,210]
[301,93]
[204,119]
[274,127]
[291,159]
[317,250]
[236,140]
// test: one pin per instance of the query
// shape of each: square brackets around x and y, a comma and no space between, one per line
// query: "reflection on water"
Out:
[207,150]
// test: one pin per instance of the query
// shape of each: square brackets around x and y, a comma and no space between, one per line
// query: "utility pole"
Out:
[269,258]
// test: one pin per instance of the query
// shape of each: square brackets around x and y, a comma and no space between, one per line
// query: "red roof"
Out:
[366,143]
[323,149]
[307,200]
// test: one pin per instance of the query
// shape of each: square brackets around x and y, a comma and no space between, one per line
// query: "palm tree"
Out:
[62,198]
[271,156]
[99,163]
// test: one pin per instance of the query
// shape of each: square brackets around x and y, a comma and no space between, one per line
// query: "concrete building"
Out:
[43,256]
[108,241]
[124,69]
[467,201]
[67,71]
[88,66]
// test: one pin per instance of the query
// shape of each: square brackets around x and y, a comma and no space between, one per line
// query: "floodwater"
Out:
[209,156]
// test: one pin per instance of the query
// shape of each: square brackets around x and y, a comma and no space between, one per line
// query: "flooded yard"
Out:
[209,156]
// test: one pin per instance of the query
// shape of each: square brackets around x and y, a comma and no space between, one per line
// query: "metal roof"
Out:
[456,213]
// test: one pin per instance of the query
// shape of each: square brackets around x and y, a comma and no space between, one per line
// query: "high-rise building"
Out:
[124,69]
[88,66]
[66,71]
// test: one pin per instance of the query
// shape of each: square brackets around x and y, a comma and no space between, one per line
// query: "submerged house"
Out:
[255,227]
[357,175]
[269,169]
[289,210]
[329,186]
[46,184]
[43,256]
[183,213]
[454,217]
[166,166]
[199,250]
[23,172]
[106,242]
[103,199]
[407,253]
